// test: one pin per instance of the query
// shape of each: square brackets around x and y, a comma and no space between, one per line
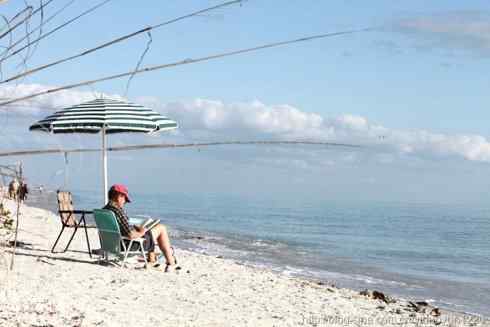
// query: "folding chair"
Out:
[111,240]
[70,218]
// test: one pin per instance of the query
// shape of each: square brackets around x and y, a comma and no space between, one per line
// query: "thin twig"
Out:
[30,52]
[117,40]
[11,28]
[140,61]
[55,29]
[39,27]
[22,21]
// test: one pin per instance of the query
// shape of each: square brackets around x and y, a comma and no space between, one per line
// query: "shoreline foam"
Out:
[70,288]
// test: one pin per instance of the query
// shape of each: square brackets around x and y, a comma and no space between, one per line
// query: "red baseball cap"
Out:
[121,189]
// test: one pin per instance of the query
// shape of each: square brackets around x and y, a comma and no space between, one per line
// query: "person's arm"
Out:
[136,234]
[138,231]
[132,233]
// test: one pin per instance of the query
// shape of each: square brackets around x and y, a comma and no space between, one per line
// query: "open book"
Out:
[150,223]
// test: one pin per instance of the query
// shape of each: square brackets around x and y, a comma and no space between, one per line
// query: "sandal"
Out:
[159,265]
[160,258]
[172,268]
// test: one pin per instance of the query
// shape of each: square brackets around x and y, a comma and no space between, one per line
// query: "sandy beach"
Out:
[71,289]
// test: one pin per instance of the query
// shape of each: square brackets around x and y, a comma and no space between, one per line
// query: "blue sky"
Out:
[414,91]
[342,74]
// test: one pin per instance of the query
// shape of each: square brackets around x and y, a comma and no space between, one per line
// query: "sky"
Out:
[412,92]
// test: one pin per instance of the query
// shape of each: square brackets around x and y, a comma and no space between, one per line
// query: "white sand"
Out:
[70,289]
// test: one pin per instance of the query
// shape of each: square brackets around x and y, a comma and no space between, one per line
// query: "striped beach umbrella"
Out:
[107,116]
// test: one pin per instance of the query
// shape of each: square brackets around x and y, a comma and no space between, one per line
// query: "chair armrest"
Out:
[133,239]
[78,212]
[88,212]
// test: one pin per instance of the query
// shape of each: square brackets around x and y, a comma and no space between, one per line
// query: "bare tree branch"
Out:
[167,145]
[117,40]
[183,62]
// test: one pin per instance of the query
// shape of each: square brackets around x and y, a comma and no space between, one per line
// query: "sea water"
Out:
[433,252]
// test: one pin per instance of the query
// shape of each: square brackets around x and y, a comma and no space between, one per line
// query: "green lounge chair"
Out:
[111,240]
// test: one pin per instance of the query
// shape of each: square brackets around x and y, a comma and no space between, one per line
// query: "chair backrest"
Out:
[109,233]
[65,203]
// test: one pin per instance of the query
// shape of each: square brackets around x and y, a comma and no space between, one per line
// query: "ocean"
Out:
[432,252]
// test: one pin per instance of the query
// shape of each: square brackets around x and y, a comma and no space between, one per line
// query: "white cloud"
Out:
[245,117]
[42,103]
[257,120]
[464,30]
[204,120]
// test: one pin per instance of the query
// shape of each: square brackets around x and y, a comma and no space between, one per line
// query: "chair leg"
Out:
[128,248]
[71,238]
[57,239]
[143,253]
[86,235]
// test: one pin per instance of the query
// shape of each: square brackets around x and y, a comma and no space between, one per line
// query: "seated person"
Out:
[118,196]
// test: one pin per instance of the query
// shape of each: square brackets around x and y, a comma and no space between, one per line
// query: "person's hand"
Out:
[140,230]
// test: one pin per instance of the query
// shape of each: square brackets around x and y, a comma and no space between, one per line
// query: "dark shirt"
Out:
[122,219]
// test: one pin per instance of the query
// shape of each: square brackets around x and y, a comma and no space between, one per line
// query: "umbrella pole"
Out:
[104,164]
[66,171]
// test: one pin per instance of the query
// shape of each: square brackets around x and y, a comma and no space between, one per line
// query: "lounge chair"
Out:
[111,240]
[71,218]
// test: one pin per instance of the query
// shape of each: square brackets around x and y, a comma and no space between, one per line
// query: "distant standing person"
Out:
[23,190]
[14,189]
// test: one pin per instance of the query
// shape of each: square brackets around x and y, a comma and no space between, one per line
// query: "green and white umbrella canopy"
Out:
[107,116]
[113,115]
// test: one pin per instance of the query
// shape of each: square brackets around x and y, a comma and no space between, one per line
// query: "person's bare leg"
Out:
[164,243]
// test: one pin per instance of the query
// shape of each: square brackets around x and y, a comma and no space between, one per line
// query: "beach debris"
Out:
[435,312]
[377,295]
[120,281]
[195,237]
[411,305]
[45,260]
[423,307]
[21,244]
